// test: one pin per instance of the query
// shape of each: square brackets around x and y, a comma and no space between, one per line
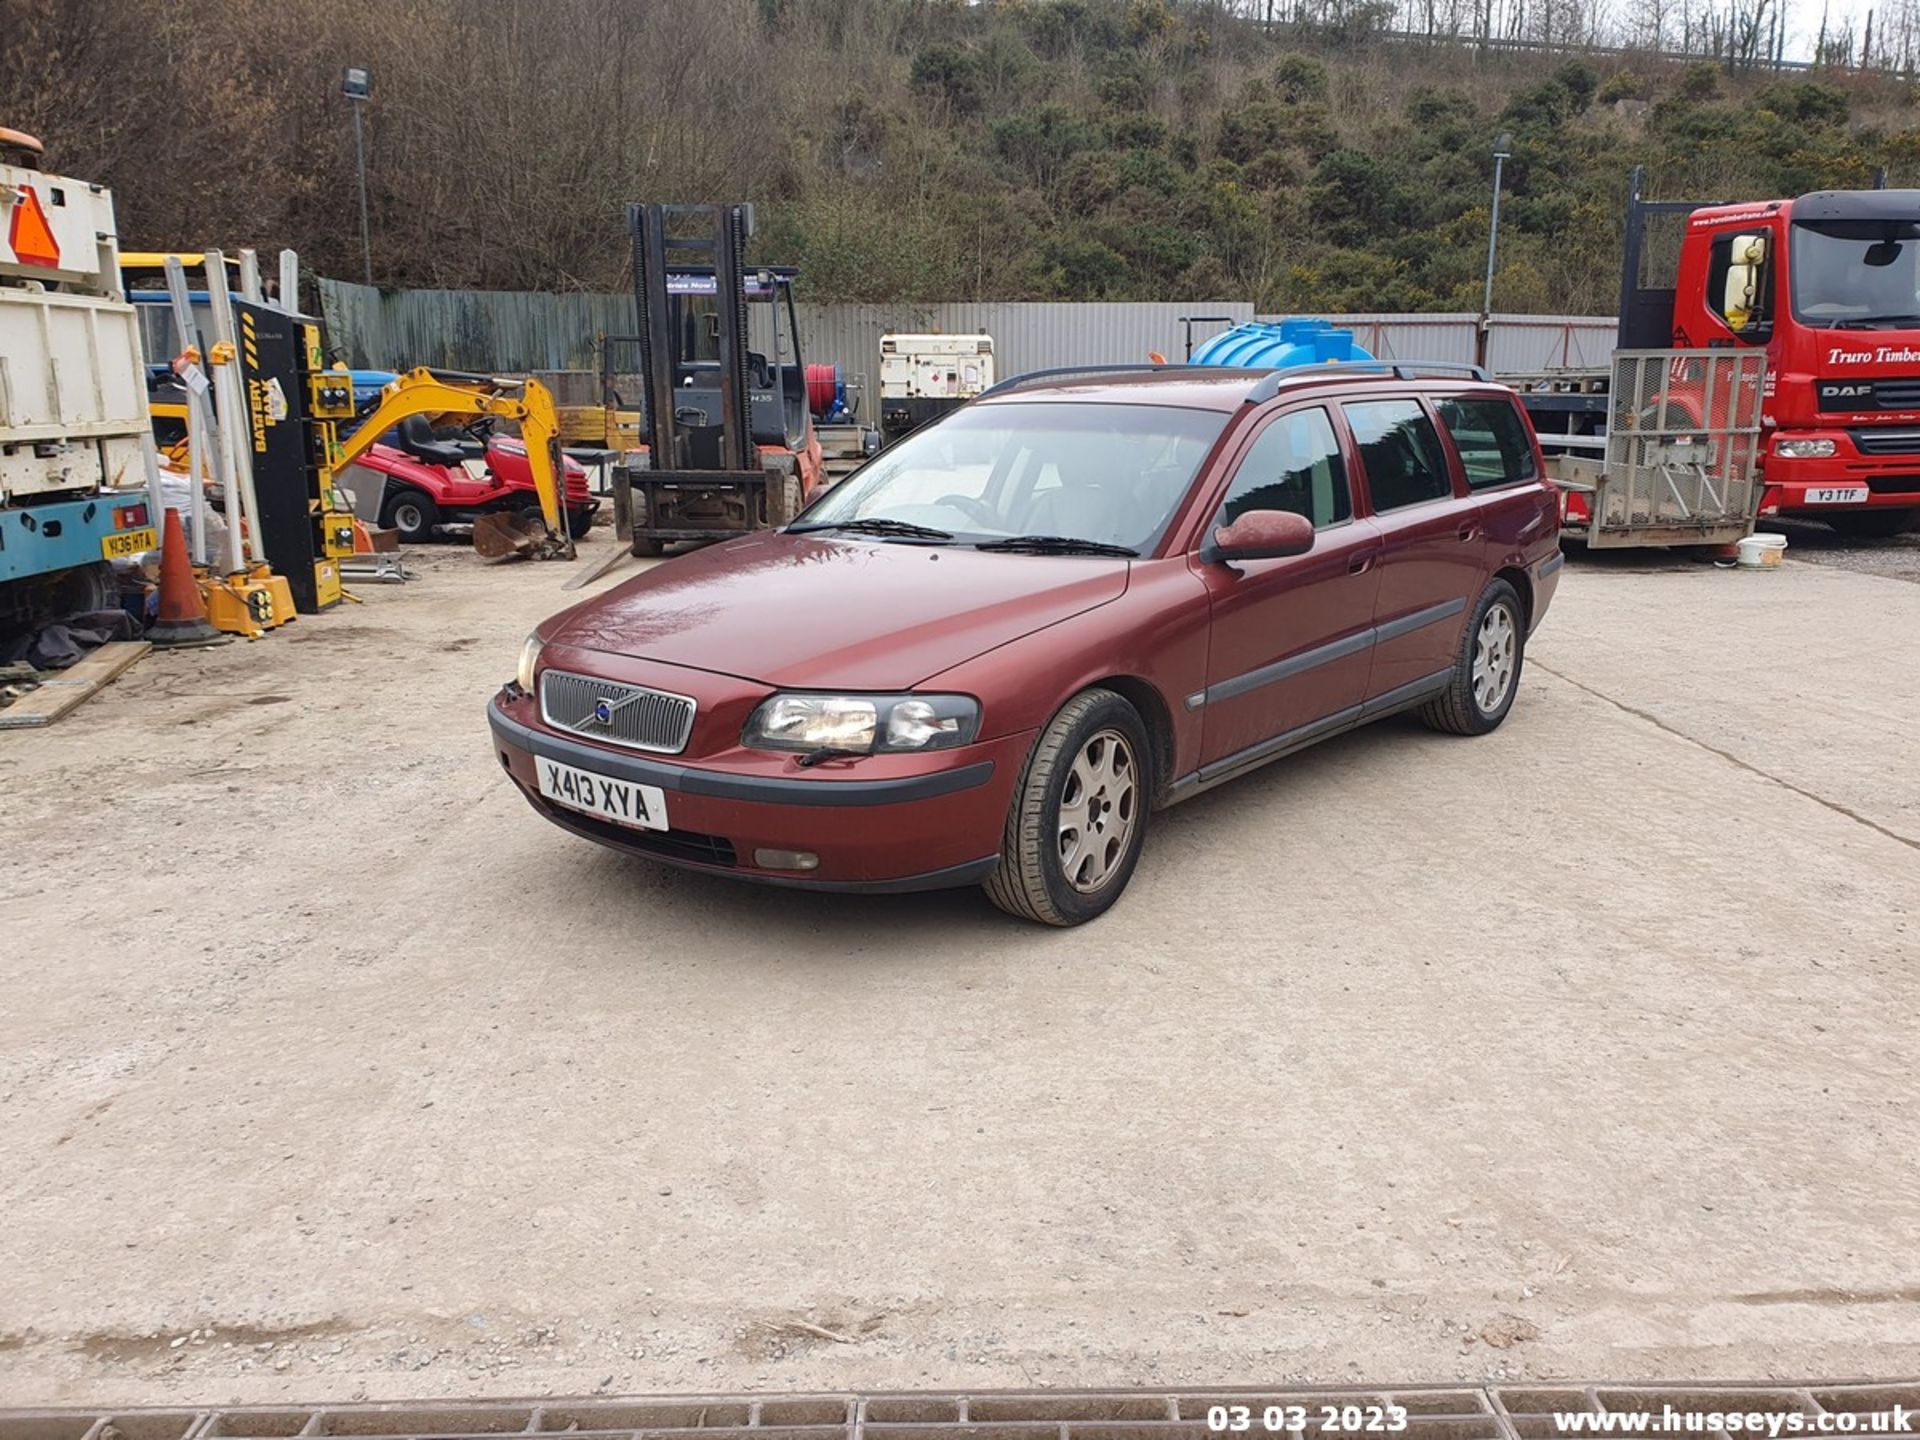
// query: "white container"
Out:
[1761,552]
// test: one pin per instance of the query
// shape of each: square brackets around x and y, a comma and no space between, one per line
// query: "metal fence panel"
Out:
[520,332]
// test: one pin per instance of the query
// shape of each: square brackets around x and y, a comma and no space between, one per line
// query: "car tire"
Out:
[1094,763]
[412,513]
[1873,524]
[1486,674]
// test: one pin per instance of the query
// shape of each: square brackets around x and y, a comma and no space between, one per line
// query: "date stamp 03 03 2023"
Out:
[1299,1419]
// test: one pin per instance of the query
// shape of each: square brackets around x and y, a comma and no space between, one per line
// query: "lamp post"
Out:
[1502,149]
[357,85]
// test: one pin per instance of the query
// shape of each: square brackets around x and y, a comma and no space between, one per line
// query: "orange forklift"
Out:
[728,444]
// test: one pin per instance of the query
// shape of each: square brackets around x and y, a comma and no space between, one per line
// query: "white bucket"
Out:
[1761,552]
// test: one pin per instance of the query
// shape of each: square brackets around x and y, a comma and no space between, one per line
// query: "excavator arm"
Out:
[527,403]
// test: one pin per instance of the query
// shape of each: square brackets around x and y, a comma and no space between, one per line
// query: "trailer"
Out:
[77,468]
[1669,453]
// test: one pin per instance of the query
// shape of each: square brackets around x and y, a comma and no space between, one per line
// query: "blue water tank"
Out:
[1265,344]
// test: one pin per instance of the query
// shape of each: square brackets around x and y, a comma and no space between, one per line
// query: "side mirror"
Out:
[1741,296]
[1261,535]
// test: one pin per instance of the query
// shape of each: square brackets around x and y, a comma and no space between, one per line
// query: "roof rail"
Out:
[1271,384]
[1016,381]
[1268,385]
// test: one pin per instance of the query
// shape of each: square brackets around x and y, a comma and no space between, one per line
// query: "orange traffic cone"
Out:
[183,614]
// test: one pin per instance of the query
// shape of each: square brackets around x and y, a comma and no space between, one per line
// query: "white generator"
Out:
[924,376]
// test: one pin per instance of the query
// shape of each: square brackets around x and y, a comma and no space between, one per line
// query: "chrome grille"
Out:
[616,712]
[1886,442]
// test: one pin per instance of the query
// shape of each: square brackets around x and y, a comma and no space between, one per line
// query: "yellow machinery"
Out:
[525,402]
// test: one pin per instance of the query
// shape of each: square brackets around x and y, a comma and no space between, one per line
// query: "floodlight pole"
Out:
[1502,149]
[357,86]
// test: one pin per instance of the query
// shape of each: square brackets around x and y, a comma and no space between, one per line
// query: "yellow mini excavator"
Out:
[525,402]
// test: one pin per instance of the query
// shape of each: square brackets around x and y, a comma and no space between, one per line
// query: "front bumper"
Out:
[938,826]
[1795,485]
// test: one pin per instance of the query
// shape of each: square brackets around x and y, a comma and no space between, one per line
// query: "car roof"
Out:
[1221,387]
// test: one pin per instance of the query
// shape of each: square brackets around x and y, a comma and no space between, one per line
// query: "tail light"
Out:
[129,517]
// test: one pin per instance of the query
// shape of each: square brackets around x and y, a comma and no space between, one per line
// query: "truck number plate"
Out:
[644,807]
[1838,495]
[125,544]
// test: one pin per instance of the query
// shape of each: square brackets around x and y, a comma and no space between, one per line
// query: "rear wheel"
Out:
[1486,673]
[1872,524]
[412,513]
[1079,815]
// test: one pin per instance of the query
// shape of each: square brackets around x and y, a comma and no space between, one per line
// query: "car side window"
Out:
[1399,453]
[1491,438]
[1293,465]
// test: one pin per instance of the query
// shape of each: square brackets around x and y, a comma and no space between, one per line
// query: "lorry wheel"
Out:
[646,549]
[1486,674]
[411,513]
[1079,814]
[1873,524]
[84,589]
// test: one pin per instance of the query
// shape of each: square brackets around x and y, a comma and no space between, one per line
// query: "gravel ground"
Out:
[1895,559]
[328,1070]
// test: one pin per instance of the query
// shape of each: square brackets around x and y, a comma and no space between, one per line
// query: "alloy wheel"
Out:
[1493,657]
[1098,810]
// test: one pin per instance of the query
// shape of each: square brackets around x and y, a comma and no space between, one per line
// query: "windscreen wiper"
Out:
[1057,545]
[877,525]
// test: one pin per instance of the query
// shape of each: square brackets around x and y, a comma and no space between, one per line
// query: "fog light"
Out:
[786,859]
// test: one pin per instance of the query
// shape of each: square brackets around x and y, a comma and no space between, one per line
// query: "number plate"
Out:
[125,544]
[1838,495]
[644,807]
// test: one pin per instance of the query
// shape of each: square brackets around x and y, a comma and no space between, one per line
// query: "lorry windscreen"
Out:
[1857,274]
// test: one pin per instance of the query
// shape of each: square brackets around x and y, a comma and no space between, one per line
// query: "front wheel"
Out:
[1872,524]
[1486,674]
[1079,814]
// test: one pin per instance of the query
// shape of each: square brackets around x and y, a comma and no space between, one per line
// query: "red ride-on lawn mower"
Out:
[443,478]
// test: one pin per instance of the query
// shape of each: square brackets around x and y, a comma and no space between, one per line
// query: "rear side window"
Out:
[1491,438]
[1399,452]
[1294,465]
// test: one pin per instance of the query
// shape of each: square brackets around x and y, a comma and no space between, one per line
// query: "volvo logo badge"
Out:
[603,710]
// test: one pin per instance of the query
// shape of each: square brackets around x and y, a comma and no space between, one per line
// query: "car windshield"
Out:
[1106,473]
[1857,274]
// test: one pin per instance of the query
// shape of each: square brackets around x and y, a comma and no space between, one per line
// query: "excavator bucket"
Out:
[504,535]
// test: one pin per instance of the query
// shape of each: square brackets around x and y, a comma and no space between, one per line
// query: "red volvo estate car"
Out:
[989,655]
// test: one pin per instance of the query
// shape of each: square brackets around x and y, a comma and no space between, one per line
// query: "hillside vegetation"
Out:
[919,149]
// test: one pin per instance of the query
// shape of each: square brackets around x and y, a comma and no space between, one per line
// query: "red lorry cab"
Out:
[1829,285]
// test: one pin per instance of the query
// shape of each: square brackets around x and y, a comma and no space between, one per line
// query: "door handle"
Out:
[1363,562]
[1469,533]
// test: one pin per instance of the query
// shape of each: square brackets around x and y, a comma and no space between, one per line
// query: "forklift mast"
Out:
[667,238]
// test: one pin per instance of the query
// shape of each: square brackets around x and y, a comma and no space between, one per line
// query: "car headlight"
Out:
[529,656]
[879,724]
[1802,449]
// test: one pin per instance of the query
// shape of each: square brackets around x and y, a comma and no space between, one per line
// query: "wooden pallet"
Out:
[63,690]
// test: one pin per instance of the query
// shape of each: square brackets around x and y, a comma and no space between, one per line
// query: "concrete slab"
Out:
[1584,1048]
